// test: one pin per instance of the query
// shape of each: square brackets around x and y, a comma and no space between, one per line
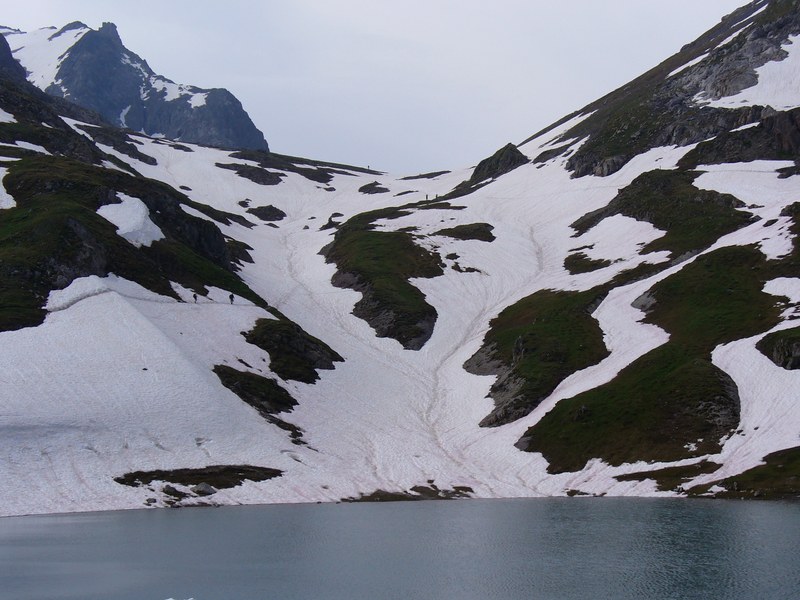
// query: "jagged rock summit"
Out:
[93,69]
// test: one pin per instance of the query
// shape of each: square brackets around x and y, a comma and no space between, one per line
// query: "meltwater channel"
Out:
[466,549]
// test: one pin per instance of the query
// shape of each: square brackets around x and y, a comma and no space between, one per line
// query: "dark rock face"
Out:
[101,74]
[373,188]
[504,160]
[501,162]
[510,403]
[782,348]
[294,354]
[9,67]
[267,213]
[777,137]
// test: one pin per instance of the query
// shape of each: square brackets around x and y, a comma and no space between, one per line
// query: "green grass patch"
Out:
[541,340]
[580,263]
[777,479]
[54,235]
[673,396]
[379,264]
[693,219]
[293,353]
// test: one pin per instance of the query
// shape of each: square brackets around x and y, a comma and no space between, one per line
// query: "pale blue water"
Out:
[474,549]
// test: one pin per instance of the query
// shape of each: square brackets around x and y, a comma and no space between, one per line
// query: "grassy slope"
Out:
[54,235]
[382,262]
[529,338]
[672,396]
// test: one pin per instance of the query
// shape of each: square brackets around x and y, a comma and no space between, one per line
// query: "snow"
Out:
[691,63]
[731,37]
[32,147]
[174,91]
[197,100]
[743,127]
[124,115]
[619,237]
[6,117]
[6,199]
[41,53]
[758,185]
[776,85]
[132,219]
[118,378]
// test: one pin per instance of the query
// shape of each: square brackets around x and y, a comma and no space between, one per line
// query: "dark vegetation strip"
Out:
[534,345]
[416,493]
[219,476]
[672,396]
[379,264]
[294,354]
[672,478]
[264,395]
[578,263]
[471,231]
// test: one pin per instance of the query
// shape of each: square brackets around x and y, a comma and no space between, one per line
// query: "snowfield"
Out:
[119,379]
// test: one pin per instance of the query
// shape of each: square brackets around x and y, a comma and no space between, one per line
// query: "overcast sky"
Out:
[409,86]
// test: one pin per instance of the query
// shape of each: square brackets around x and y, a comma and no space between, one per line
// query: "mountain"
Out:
[608,308]
[93,68]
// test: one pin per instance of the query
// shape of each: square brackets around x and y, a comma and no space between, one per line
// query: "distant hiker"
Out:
[195,298]
[231,297]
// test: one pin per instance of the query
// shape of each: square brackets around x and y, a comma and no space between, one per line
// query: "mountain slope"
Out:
[93,69]
[529,327]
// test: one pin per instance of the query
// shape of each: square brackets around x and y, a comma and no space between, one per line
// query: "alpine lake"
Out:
[615,548]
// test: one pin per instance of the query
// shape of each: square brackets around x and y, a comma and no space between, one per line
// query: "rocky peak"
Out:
[667,105]
[9,67]
[99,73]
[110,30]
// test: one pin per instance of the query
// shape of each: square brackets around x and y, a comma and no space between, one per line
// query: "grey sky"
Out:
[406,86]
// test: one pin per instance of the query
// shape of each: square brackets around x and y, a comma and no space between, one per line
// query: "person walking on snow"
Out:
[231,297]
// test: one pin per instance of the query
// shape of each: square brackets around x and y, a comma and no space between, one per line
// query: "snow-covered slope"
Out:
[561,319]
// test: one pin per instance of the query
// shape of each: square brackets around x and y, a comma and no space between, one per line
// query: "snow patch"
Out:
[776,86]
[41,53]
[32,147]
[6,199]
[132,219]
[123,115]
[197,100]
[743,127]
[759,186]
[6,117]
[691,63]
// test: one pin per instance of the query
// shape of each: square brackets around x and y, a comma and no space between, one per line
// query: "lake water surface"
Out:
[468,549]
